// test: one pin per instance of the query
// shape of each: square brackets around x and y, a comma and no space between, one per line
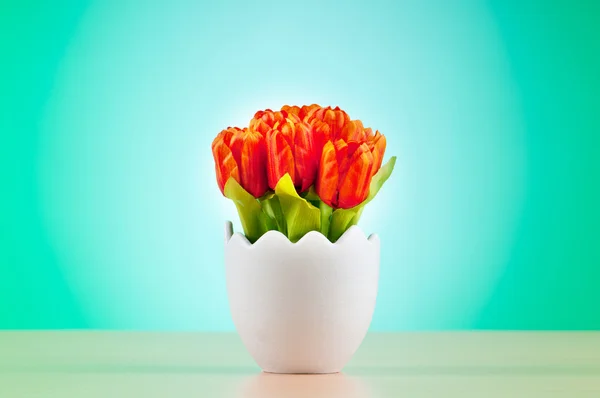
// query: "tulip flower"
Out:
[225,164]
[345,174]
[264,121]
[353,130]
[241,154]
[348,164]
[335,118]
[377,144]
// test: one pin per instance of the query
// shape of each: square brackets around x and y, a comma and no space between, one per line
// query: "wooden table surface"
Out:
[144,364]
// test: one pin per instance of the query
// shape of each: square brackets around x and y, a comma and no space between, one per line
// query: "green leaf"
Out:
[312,197]
[254,221]
[342,219]
[272,207]
[379,179]
[299,214]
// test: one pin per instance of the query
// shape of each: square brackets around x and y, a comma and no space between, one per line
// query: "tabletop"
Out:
[152,364]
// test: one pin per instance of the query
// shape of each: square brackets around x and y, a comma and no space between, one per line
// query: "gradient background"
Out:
[110,216]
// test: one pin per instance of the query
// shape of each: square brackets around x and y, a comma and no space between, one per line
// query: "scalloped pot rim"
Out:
[351,234]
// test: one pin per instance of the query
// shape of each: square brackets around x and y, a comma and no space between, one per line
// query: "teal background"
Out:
[110,216]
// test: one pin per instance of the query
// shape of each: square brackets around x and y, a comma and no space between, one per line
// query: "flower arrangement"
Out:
[300,169]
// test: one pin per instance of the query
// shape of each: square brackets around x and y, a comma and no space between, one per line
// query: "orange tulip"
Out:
[264,121]
[377,144]
[345,173]
[225,164]
[335,118]
[241,154]
[353,130]
[358,156]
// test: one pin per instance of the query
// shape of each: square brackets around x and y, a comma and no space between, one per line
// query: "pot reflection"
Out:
[271,385]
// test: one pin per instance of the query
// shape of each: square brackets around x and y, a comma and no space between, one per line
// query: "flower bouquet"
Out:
[302,279]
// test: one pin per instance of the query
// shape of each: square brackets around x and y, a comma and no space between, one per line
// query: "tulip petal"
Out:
[288,130]
[346,158]
[300,216]
[236,143]
[304,154]
[354,183]
[253,162]
[353,131]
[263,121]
[378,150]
[280,159]
[293,110]
[306,109]
[327,179]
[321,134]
[225,164]
[341,150]
[254,221]
[336,119]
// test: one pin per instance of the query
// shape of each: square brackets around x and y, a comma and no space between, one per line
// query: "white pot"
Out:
[302,307]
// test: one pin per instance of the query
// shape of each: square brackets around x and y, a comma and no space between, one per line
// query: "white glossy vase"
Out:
[302,307]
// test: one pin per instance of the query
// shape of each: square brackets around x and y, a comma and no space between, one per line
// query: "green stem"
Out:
[326,211]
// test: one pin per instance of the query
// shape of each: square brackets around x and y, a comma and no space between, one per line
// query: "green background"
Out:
[110,216]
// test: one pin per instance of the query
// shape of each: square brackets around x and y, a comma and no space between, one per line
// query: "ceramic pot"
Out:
[302,307]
